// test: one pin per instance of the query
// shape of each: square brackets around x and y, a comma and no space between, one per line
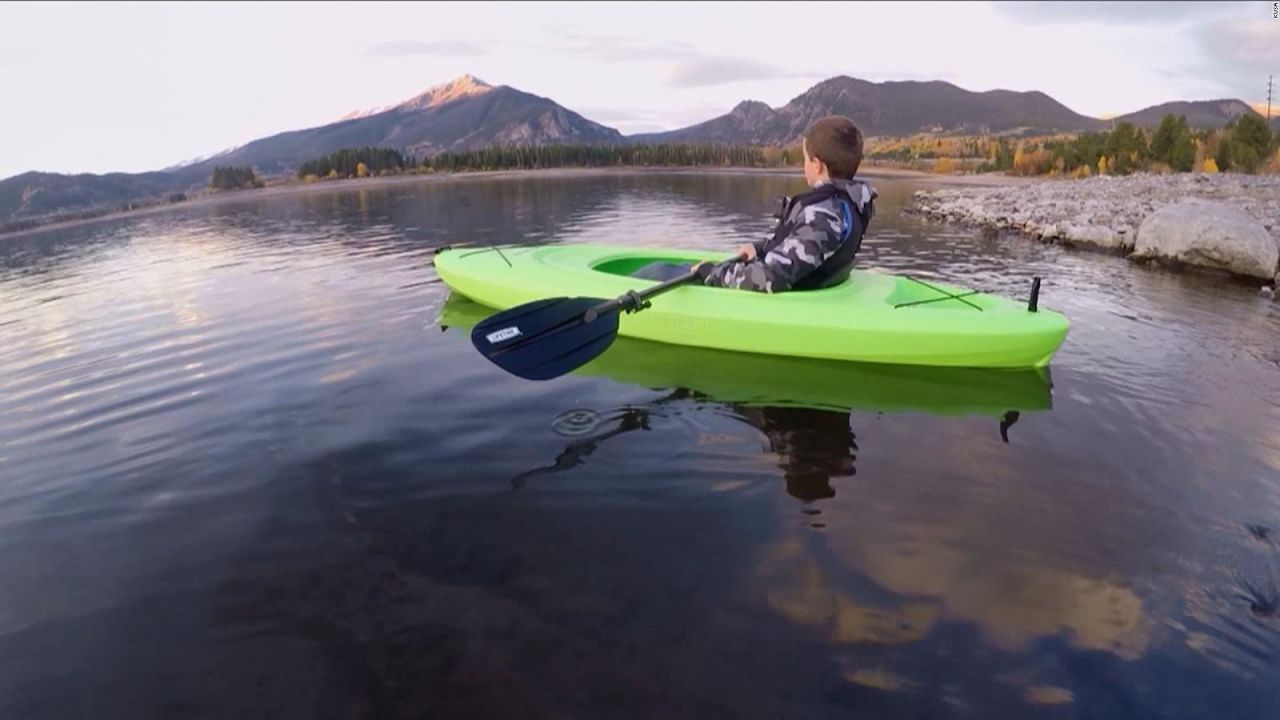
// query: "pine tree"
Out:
[1122,147]
[1182,156]
[233,178]
[1225,157]
[1164,138]
[1251,141]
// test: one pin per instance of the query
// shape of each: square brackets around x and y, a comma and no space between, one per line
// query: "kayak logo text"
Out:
[503,334]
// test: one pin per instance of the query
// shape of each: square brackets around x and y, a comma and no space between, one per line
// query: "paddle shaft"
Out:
[635,299]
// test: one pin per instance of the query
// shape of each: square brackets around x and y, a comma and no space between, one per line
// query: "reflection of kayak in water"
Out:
[870,317]
[772,380]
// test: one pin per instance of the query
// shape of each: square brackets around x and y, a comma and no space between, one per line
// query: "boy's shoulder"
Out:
[858,190]
[826,200]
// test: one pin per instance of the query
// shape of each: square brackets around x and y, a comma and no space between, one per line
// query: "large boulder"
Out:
[1097,235]
[1208,234]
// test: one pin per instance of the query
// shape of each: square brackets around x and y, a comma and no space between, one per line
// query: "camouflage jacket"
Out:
[806,237]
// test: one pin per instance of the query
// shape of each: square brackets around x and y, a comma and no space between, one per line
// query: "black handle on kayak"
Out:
[635,301]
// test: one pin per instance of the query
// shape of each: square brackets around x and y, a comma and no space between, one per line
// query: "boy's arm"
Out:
[802,252]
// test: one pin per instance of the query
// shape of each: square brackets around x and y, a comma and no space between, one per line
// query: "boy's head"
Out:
[832,149]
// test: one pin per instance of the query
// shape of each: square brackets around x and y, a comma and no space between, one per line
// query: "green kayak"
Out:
[871,317]
[749,379]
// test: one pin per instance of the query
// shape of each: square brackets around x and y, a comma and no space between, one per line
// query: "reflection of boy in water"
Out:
[813,446]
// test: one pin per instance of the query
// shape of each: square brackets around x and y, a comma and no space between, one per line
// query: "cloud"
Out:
[405,48]
[693,68]
[710,70]
[616,48]
[12,56]
[1238,55]
[1112,13]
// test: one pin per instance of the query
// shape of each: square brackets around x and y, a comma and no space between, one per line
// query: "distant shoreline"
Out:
[299,188]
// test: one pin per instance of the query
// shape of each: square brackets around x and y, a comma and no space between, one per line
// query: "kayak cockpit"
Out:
[627,266]
[631,263]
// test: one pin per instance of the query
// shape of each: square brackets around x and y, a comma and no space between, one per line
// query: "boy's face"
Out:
[814,169]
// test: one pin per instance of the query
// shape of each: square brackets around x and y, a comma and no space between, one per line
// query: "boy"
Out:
[819,232]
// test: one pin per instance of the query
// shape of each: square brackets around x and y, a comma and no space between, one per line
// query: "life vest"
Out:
[853,224]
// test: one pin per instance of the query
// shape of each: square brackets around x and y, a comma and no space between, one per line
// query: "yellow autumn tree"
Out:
[1102,165]
[1272,166]
[944,166]
[362,170]
[1209,166]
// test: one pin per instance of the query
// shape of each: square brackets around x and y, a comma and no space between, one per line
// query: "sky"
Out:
[102,87]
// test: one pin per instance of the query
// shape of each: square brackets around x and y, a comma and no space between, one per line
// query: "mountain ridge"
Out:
[468,113]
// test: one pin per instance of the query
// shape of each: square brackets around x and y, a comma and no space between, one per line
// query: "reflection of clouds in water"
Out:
[987,545]
[933,547]
[799,589]
[1048,695]
[1014,605]
[878,679]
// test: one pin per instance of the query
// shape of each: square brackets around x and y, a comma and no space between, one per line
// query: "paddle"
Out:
[545,339]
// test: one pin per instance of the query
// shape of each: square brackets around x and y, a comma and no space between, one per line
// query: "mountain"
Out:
[465,114]
[462,87]
[887,109]
[197,160]
[34,194]
[1200,114]
[745,124]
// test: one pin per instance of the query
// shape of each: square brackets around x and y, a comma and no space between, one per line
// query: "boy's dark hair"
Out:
[836,141]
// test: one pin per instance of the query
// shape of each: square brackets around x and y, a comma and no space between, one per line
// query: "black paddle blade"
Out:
[546,338]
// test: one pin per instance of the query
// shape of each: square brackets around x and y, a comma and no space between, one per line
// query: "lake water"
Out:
[245,473]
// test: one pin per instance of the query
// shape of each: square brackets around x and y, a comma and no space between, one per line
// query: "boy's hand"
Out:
[746,253]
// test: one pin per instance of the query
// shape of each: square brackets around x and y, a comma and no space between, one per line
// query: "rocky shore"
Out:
[1223,221]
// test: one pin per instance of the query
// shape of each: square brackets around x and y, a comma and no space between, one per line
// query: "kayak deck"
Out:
[871,317]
